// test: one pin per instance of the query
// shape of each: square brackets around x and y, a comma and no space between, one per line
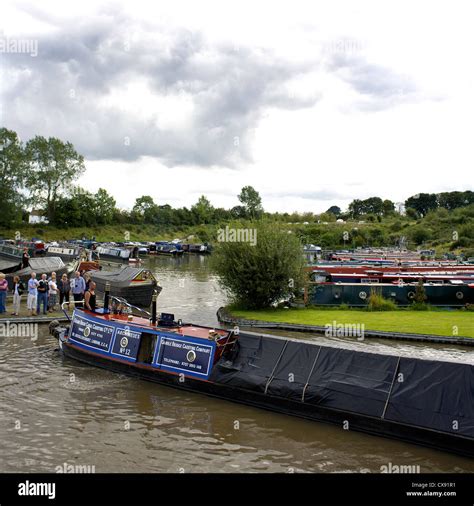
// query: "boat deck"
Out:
[186,329]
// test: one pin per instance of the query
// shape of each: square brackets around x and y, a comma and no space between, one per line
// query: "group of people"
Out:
[43,293]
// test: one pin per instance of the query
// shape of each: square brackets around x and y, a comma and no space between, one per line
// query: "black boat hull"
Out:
[376,426]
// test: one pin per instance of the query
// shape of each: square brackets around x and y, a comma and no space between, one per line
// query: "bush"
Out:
[379,303]
[261,274]
[420,306]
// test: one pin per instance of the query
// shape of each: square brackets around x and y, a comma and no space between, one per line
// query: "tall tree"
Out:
[388,207]
[145,210]
[104,207]
[252,201]
[203,210]
[12,175]
[336,210]
[422,202]
[53,166]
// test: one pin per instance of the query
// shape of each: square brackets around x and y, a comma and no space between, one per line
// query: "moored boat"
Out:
[44,265]
[451,294]
[135,284]
[167,248]
[113,253]
[430,405]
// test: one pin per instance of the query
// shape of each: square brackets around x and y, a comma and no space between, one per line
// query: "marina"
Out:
[264,442]
[236,255]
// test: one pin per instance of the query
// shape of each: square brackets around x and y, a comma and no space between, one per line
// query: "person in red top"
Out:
[3,292]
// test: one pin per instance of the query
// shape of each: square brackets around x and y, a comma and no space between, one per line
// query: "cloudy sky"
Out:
[312,103]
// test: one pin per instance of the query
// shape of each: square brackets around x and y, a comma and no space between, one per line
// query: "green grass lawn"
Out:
[445,323]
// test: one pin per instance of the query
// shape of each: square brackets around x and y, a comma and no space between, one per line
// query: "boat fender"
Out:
[410,295]
[363,295]
[213,335]
[459,295]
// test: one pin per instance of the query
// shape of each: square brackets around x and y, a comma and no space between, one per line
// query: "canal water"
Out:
[57,414]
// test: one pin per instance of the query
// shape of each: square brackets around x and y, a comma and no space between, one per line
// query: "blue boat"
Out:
[431,406]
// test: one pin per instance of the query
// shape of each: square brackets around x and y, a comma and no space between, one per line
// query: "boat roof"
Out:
[7,264]
[125,274]
[46,263]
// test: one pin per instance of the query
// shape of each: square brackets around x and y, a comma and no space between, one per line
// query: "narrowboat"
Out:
[167,248]
[10,251]
[424,402]
[135,284]
[44,265]
[113,253]
[66,252]
[196,249]
[452,294]
[372,276]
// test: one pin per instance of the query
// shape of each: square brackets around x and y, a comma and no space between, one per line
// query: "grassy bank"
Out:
[443,323]
[116,233]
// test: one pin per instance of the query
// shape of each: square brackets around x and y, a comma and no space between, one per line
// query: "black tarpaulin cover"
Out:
[254,363]
[432,394]
[293,370]
[351,381]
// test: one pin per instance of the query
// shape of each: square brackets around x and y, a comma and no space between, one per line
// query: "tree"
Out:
[388,207]
[420,293]
[144,210]
[422,202]
[53,166]
[260,274]
[76,209]
[373,205]
[334,210]
[252,202]
[203,210]
[12,176]
[104,206]
[238,212]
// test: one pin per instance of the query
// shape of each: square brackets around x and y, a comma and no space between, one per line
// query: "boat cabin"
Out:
[169,345]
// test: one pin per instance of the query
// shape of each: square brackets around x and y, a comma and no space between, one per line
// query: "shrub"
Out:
[379,303]
[259,275]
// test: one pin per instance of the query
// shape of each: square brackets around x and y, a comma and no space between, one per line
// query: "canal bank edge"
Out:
[225,317]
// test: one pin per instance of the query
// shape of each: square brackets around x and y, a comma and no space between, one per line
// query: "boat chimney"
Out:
[106,297]
[153,307]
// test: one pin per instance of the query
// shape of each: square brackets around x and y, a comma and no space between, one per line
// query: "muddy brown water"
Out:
[57,414]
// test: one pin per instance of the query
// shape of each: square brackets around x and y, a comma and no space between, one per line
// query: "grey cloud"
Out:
[229,88]
[380,87]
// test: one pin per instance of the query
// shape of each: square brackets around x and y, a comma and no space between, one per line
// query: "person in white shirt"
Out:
[53,293]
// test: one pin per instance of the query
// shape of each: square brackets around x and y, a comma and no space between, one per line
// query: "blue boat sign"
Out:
[185,354]
[126,343]
[91,333]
